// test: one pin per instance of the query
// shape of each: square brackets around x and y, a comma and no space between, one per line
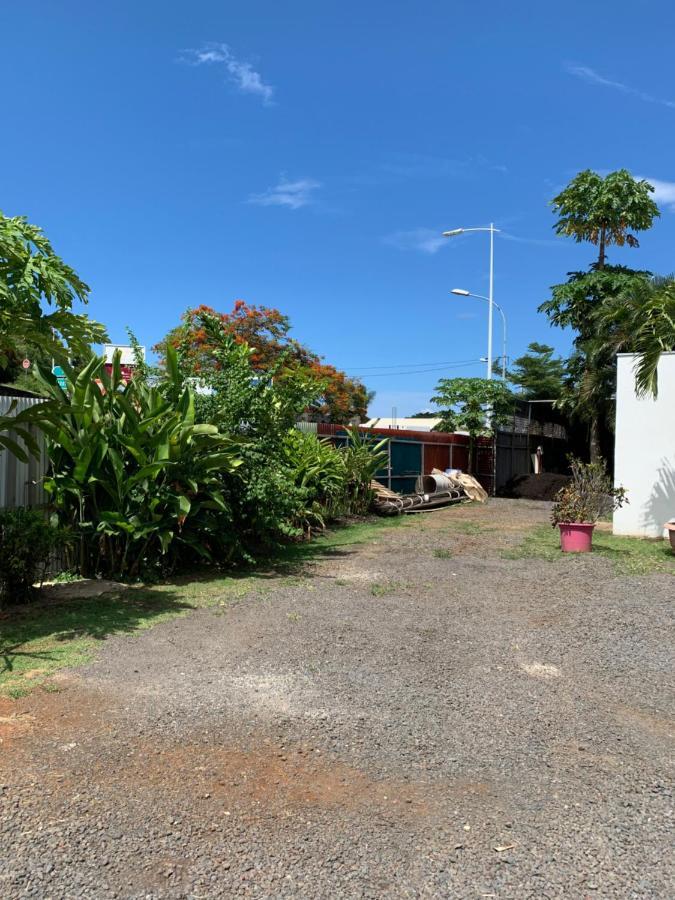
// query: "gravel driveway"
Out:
[413,717]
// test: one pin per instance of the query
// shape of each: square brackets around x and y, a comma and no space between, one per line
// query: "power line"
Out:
[442,368]
[449,362]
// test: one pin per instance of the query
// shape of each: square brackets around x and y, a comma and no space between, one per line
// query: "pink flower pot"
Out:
[576,537]
[671,534]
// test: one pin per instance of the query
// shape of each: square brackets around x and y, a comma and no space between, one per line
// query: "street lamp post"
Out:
[491,228]
[462,293]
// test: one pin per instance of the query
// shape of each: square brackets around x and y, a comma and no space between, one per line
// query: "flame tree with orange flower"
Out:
[265,330]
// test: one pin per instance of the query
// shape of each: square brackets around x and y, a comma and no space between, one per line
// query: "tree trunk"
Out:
[594,441]
[601,254]
[469,464]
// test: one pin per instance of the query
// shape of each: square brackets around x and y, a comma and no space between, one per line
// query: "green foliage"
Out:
[319,478]
[289,482]
[641,320]
[203,332]
[260,410]
[138,481]
[26,542]
[602,211]
[363,458]
[588,496]
[628,555]
[332,481]
[33,276]
[575,303]
[605,210]
[475,405]
[17,429]
[538,373]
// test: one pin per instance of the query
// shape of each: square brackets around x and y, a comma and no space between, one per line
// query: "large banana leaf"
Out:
[130,469]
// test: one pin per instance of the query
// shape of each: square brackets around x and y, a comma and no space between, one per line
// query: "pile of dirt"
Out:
[534,487]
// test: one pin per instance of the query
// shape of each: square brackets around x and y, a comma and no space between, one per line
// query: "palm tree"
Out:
[642,322]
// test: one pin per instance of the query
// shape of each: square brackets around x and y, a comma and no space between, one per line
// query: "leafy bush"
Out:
[319,477]
[26,542]
[589,495]
[260,411]
[132,474]
[333,481]
[362,458]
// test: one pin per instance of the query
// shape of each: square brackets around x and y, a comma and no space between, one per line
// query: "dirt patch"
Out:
[12,725]
[534,487]
[274,778]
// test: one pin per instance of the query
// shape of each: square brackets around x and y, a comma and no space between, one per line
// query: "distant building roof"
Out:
[404,424]
[126,351]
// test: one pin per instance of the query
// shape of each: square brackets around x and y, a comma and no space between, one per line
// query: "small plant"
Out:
[382,588]
[362,459]
[589,495]
[26,542]
[442,553]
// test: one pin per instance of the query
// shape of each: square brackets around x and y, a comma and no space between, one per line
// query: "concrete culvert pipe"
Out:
[432,484]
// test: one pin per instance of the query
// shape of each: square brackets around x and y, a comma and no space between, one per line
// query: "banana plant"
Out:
[131,473]
[363,458]
[15,430]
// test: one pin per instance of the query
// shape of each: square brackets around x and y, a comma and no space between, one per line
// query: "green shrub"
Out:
[138,481]
[589,495]
[26,542]
[319,477]
[362,457]
[260,411]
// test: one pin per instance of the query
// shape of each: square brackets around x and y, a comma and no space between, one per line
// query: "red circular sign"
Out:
[26,364]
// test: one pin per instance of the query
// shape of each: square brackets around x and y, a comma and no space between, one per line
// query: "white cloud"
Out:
[292,194]
[241,74]
[426,240]
[664,192]
[585,73]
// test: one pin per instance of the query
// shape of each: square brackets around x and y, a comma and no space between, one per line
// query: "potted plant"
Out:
[578,506]
[670,528]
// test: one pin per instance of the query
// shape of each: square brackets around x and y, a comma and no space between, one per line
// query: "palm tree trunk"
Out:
[594,439]
[601,254]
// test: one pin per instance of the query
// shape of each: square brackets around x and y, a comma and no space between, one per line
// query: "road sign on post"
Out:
[60,377]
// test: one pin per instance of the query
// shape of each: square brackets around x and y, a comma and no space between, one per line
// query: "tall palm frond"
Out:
[642,322]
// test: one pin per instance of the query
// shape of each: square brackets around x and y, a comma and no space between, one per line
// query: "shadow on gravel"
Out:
[48,633]
[64,625]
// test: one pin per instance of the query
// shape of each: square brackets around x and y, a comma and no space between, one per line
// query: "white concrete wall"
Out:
[644,455]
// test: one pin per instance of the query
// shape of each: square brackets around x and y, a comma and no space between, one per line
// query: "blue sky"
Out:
[307,156]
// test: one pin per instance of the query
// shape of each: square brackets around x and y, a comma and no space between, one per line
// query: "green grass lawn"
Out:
[630,556]
[38,638]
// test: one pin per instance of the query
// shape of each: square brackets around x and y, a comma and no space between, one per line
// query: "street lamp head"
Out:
[453,233]
[461,292]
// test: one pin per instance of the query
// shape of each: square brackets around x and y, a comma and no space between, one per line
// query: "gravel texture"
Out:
[392,723]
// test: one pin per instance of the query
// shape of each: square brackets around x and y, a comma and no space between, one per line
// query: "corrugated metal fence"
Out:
[413,453]
[21,483]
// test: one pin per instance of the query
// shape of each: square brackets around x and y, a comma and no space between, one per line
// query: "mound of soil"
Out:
[534,487]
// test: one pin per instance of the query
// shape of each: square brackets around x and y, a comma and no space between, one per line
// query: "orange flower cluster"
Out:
[265,330]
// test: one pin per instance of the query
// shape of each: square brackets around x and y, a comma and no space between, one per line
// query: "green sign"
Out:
[60,377]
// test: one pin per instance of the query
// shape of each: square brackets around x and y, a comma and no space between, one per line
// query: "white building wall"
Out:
[644,455]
